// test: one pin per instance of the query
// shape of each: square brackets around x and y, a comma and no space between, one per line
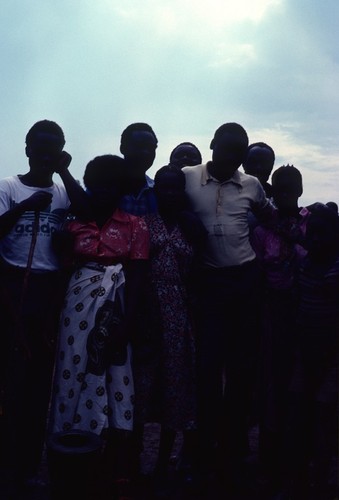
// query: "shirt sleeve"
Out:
[140,240]
[262,207]
[5,201]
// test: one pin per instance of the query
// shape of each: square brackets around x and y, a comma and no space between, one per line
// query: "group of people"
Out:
[201,300]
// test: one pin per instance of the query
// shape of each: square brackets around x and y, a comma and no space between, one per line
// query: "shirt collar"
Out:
[207,177]
[149,182]
[304,212]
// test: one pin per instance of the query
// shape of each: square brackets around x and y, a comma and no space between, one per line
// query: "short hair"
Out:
[325,213]
[333,206]
[47,127]
[291,172]
[171,169]
[231,128]
[186,144]
[135,127]
[261,145]
[105,169]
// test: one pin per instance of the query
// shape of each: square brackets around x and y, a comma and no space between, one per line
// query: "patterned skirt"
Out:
[85,398]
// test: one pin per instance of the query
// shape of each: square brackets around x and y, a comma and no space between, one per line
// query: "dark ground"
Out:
[175,489]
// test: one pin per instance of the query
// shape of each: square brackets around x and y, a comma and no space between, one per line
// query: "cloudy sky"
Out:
[183,66]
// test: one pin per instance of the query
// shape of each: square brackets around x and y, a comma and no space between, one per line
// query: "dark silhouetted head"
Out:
[45,127]
[44,143]
[185,154]
[229,146]
[105,179]
[322,232]
[333,206]
[138,146]
[259,161]
[169,187]
[287,187]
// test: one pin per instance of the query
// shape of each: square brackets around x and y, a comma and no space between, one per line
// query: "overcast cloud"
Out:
[183,66]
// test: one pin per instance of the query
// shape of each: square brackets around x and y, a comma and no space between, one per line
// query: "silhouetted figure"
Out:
[221,196]
[333,206]
[259,162]
[185,154]
[279,251]
[165,377]
[138,146]
[32,208]
[313,437]
[110,248]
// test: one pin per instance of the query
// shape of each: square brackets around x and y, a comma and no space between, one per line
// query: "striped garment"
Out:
[319,298]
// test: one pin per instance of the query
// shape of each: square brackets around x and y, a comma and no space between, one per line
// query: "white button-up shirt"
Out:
[223,209]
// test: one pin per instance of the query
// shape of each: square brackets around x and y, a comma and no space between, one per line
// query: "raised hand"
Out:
[63,162]
[38,201]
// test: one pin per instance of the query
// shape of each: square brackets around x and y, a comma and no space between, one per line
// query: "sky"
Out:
[183,66]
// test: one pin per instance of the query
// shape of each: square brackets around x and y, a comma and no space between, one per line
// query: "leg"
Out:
[167,438]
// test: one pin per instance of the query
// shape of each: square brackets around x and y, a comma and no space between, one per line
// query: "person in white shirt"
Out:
[32,209]
[229,286]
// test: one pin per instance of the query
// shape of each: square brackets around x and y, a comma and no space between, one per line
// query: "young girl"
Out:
[165,382]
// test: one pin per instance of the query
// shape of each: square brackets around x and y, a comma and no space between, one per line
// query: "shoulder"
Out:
[249,181]
[56,186]
[194,171]
[60,196]
[135,221]
[195,176]
[8,182]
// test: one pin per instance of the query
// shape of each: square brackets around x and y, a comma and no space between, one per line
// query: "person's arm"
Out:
[79,199]
[258,243]
[263,208]
[136,272]
[36,202]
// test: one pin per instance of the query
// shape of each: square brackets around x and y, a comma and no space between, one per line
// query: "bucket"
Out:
[73,460]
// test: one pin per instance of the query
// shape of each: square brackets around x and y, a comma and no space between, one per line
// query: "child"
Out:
[165,382]
[279,253]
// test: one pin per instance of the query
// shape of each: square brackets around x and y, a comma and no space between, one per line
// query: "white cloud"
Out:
[235,55]
[189,13]
[183,66]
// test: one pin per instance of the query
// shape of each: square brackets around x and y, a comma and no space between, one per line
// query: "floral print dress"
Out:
[165,381]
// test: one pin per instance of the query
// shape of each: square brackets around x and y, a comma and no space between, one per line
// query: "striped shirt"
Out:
[142,204]
[319,298]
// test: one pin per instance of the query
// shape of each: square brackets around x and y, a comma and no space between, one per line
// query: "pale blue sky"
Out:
[183,66]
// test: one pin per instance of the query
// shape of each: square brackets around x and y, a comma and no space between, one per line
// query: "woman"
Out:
[93,384]
[165,378]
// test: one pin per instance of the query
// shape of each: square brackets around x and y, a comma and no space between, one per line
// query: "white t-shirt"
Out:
[15,246]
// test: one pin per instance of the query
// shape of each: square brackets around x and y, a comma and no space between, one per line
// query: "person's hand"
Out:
[38,201]
[63,162]
[120,336]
